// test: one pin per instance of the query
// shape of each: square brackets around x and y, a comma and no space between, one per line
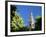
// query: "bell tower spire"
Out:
[32,22]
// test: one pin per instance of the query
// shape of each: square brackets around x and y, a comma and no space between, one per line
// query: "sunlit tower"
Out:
[32,22]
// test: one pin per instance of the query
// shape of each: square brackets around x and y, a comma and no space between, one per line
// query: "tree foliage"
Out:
[16,21]
[38,25]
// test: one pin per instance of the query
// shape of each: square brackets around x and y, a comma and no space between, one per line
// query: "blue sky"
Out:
[25,11]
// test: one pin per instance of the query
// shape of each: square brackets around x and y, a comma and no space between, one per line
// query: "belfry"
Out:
[32,22]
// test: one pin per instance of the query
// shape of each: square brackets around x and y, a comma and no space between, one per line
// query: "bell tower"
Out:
[32,22]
